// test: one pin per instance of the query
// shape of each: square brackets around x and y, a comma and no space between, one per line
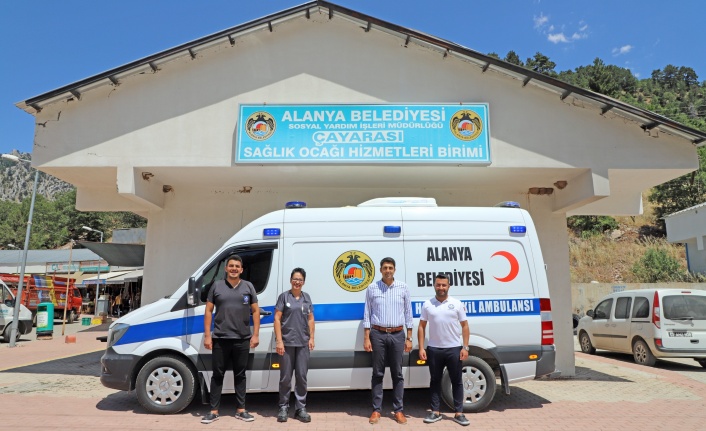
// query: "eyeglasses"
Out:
[297,280]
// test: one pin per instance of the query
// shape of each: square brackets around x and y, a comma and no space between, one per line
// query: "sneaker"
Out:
[283,414]
[431,418]
[210,417]
[461,420]
[302,415]
[244,416]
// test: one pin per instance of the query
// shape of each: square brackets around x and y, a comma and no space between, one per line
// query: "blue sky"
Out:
[48,44]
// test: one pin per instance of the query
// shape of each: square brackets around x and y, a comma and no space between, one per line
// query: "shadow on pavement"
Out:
[669,365]
[519,399]
[355,404]
[87,364]
[97,328]
[589,374]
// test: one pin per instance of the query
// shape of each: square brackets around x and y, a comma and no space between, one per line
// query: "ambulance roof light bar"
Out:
[295,204]
[400,202]
[508,204]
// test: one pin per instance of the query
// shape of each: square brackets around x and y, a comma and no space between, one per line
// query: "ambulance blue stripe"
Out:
[184,326]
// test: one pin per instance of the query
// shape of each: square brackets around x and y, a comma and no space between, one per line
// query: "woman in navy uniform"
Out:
[294,332]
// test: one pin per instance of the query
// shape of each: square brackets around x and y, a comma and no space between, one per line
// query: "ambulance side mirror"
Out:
[191,293]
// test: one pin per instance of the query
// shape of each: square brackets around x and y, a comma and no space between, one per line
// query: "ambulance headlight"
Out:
[116,333]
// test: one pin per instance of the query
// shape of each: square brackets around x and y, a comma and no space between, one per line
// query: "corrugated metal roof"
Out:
[118,254]
[42,257]
[646,120]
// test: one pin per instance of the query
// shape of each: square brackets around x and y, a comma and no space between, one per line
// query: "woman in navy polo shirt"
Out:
[294,332]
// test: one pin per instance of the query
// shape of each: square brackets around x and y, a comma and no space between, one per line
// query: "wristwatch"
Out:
[408,339]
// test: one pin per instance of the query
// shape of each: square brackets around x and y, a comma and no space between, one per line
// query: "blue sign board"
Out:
[363,134]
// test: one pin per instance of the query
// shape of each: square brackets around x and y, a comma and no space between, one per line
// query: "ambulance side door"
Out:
[341,258]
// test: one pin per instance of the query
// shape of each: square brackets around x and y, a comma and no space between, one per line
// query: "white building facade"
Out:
[688,227]
[160,136]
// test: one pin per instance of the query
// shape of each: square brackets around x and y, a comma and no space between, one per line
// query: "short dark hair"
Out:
[234,257]
[388,260]
[442,276]
[300,271]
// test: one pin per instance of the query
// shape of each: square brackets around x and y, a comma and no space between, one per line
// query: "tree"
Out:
[513,58]
[542,64]
[56,222]
[680,193]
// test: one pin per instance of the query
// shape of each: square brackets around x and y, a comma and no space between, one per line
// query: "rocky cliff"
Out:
[16,181]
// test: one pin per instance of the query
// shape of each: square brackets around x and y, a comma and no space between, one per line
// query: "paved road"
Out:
[51,384]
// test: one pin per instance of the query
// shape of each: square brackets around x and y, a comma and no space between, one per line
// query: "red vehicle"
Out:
[47,288]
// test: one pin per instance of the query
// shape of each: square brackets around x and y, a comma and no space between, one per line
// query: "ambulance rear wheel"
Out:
[478,385]
[165,385]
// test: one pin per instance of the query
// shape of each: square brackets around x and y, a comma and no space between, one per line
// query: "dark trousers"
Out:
[295,360]
[438,360]
[229,353]
[387,350]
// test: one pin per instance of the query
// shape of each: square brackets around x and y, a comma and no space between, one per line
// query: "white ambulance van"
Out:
[491,256]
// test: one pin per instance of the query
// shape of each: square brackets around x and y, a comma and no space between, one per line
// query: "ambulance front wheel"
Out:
[478,385]
[165,385]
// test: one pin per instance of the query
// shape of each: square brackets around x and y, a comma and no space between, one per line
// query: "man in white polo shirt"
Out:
[446,348]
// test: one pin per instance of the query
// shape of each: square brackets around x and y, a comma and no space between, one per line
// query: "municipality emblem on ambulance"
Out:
[353,270]
[260,125]
[466,125]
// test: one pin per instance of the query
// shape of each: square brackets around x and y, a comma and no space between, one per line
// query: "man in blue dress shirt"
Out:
[388,311]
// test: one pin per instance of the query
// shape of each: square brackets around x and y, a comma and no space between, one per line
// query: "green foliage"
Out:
[610,80]
[586,226]
[54,223]
[542,64]
[656,265]
[513,58]
[680,193]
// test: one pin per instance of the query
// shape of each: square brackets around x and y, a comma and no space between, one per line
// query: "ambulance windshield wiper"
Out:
[682,318]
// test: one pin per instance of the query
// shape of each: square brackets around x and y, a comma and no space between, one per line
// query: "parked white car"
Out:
[651,324]
[7,304]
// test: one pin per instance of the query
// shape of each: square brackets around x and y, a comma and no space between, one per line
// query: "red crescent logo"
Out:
[514,266]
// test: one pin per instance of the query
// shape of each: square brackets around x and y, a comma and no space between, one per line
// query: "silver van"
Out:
[650,324]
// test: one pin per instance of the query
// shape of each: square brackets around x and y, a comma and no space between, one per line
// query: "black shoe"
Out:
[302,415]
[283,414]
[210,417]
[461,420]
[244,416]
[431,418]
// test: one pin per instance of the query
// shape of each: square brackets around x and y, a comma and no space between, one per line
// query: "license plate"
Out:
[680,334]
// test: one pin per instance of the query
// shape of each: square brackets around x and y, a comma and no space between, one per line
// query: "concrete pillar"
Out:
[554,240]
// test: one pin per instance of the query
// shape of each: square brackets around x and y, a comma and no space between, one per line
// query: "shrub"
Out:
[656,265]
[587,226]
